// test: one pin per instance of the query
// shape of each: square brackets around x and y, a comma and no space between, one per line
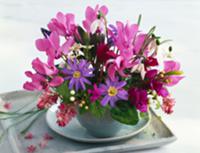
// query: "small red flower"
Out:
[47,137]
[168,104]
[29,135]
[7,106]
[47,99]
[65,114]
[31,148]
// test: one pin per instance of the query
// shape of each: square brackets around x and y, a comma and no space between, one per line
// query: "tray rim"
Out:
[117,148]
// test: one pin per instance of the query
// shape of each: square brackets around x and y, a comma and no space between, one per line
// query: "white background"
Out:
[20,22]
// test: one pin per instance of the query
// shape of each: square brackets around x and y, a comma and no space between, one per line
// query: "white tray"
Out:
[155,135]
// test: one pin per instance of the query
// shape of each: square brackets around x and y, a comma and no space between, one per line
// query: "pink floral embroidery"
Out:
[7,106]
[31,148]
[29,135]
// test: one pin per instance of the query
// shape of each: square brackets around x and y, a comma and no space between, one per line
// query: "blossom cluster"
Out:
[103,63]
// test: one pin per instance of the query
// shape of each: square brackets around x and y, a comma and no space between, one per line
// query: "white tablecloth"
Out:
[20,22]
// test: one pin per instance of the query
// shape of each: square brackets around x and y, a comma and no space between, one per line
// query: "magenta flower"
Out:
[118,65]
[43,68]
[63,24]
[77,72]
[172,66]
[92,23]
[155,83]
[138,98]
[96,93]
[45,76]
[113,91]
[168,104]
[52,47]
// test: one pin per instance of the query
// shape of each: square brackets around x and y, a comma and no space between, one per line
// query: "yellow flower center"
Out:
[77,74]
[112,91]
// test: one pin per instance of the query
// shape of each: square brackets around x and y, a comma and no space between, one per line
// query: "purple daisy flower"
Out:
[77,72]
[113,91]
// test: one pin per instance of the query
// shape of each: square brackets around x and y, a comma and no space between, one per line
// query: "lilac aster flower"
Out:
[113,92]
[77,72]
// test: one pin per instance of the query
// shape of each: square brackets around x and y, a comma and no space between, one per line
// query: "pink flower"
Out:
[47,99]
[138,98]
[43,68]
[118,65]
[39,82]
[63,24]
[125,37]
[45,76]
[129,43]
[29,135]
[52,47]
[96,93]
[7,106]
[47,137]
[92,23]
[168,104]
[174,67]
[31,148]
[65,114]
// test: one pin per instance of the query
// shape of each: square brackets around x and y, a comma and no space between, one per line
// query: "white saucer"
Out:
[75,131]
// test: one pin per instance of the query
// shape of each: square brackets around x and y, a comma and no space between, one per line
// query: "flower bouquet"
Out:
[101,71]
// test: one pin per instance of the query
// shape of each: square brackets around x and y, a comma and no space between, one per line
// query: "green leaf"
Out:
[125,113]
[139,19]
[144,115]
[97,110]
[84,36]
[174,73]
[151,31]
[64,91]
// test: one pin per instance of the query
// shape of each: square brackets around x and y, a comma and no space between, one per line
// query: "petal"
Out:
[104,10]
[54,40]
[121,84]
[122,94]
[105,100]
[90,14]
[171,66]
[111,71]
[77,84]
[71,83]
[42,44]
[66,46]
[163,92]
[82,84]
[56,81]
[174,80]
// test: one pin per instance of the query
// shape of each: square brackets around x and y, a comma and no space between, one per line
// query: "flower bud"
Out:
[72,92]
[72,98]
